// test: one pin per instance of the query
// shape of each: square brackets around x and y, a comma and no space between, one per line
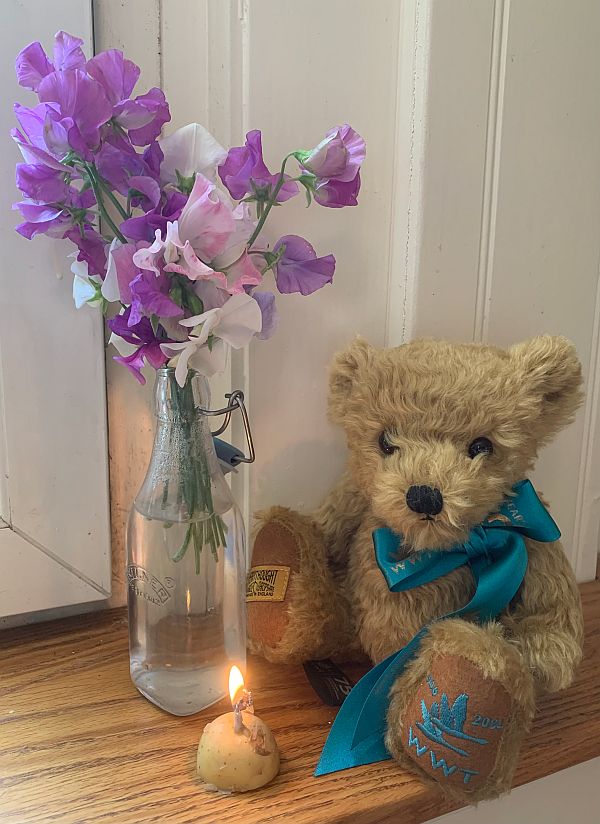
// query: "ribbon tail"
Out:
[357,734]
[499,582]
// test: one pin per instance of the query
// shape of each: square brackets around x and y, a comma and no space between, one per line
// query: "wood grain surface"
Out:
[79,745]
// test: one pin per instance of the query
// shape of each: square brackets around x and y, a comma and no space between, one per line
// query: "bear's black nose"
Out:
[425,500]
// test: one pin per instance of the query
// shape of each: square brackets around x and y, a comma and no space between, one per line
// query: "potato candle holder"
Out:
[237,751]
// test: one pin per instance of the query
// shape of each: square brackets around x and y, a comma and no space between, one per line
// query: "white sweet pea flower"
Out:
[110,285]
[86,288]
[190,150]
[123,347]
[172,242]
[235,323]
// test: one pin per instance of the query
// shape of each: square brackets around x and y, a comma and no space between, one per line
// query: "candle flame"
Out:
[236,682]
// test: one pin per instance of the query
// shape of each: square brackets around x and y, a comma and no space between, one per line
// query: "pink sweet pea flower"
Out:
[338,156]
[206,221]
[174,255]
[241,274]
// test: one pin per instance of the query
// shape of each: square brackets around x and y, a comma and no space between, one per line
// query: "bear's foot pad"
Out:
[454,725]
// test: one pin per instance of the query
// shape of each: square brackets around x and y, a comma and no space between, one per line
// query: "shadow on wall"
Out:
[276,483]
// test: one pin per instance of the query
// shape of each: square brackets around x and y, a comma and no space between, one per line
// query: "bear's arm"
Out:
[547,621]
[339,517]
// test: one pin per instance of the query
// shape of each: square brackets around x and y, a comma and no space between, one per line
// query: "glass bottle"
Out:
[186,564]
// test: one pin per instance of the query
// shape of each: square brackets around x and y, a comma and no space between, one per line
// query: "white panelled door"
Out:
[507,186]
[54,522]
[478,217]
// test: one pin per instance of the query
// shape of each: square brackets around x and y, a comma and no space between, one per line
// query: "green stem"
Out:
[195,489]
[93,172]
[270,202]
[95,184]
[115,201]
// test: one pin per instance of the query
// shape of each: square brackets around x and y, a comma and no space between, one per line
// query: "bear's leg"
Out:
[296,608]
[460,710]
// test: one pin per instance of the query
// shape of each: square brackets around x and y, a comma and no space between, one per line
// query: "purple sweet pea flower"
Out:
[126,171]
[31,137]
[156,110]
[59,134]
[115,73]
[121,271]
[150,296]
[117,163]
[339,156]
[40,183]
[53,218]
[144,227]
[32,65]
[153,157]
[44,128]
[140,335]
[144,116]
[266,301]
[299,269]
[244,172]
[80,98]
[41,218]
[337,193]
[68,53]
[31,120]
[92,248]
[33,154]
[145,192]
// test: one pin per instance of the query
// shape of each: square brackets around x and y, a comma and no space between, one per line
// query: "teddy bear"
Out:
[439,435]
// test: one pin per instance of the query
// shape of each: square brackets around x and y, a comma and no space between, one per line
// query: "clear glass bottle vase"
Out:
[186,560]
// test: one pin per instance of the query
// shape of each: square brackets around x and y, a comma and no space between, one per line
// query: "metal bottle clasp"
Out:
[236,401]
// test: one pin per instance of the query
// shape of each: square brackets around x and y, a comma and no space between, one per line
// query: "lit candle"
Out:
[237,751]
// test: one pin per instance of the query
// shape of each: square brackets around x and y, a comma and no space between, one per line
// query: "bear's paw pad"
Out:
[454,725]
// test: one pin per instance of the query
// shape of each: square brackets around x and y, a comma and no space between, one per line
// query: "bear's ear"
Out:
[345,370]
[551,374]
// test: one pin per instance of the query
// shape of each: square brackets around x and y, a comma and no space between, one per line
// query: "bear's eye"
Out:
[480,446]
[386,447]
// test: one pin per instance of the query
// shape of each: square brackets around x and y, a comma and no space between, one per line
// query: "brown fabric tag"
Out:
[274,547]
[454,725]
[267,583]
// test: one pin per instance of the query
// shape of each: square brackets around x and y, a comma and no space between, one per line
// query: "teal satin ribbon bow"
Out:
[497,556]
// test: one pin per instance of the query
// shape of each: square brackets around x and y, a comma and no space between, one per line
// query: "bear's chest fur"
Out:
[386,621]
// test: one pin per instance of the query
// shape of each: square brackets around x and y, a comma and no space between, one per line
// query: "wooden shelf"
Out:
[78,745]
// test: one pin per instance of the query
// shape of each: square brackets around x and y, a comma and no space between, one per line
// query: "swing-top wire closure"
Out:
[236,401]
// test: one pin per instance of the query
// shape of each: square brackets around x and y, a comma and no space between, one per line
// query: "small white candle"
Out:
[237,751]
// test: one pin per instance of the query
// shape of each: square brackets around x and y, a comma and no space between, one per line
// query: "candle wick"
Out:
[238,724]
[245,703]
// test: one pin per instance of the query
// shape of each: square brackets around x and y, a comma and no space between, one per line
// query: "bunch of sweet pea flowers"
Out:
[168,231]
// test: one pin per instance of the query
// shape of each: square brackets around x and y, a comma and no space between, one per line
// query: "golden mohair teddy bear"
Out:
[440,437]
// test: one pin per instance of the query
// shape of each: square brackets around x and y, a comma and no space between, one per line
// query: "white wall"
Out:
[510,192]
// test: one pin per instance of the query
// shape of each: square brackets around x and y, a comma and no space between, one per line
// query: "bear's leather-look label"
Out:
[267,583]
[331,684]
